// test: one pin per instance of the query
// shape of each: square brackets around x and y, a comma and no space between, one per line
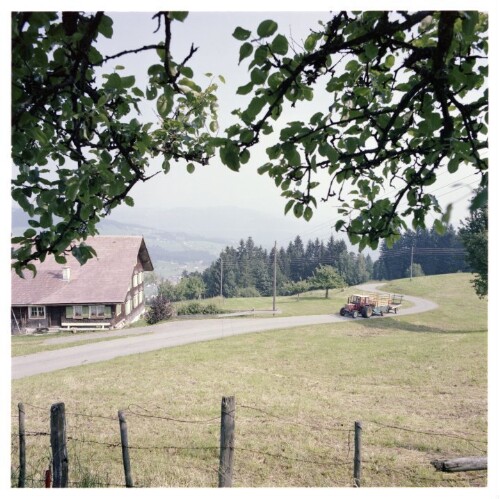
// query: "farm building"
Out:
[106,292]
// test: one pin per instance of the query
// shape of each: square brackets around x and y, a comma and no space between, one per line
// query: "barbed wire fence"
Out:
[341,460]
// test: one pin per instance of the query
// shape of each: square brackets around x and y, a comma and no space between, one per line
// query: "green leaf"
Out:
[60,259]
[453,164]
[311,41]
[190,168]
[351,144]
[214,126]
[247,135]
[280,45]
[230,156]
[264,168]
[39,136]
[128,81]
[164,105]
[371,51]
[267,28]
[298,210]
[129,201]
[245,89]
[255,107]
[178,15]
[289,205]
[46,220]
[308,213]
[245,51]
[106,27]
[241,34]
[389,61]
[291,154]
[439,227]
[29,233]
[352,65]
[187,72]
[258,76]
[480,200]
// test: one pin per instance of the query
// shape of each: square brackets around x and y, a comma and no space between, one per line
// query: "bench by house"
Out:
[85,326]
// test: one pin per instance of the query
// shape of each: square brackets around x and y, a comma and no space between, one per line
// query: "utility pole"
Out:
[411,264]
[274,279]
[221,274]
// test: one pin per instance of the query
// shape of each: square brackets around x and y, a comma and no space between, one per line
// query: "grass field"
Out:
[418,384]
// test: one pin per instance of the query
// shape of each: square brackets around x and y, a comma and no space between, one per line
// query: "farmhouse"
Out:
[106,292]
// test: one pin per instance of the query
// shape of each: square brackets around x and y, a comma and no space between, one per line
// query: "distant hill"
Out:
[215,223]
[171,251]
[191,238]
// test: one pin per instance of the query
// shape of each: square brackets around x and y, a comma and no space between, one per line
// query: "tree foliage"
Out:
[474,235]
[159,309]
[406,98]
[77,142]
[326,277]
[250,267]
[430,252]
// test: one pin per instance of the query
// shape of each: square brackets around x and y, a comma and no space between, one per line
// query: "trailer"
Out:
[371,304]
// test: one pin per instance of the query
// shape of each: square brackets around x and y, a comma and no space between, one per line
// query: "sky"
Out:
[216,185]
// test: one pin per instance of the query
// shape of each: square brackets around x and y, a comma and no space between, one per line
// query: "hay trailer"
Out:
[371,304]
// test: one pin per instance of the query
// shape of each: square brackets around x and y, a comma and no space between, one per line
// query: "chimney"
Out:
[66,274]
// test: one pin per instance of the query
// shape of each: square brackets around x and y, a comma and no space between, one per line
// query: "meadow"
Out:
[418,384]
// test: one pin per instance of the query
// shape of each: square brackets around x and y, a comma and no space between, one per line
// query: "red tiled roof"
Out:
[103,279]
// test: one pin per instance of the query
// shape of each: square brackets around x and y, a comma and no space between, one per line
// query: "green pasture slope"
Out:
[418,384]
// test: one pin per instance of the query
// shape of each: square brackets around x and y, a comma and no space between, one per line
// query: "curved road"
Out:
[170,334]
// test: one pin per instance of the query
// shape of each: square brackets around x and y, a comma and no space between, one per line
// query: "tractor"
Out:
[372,304]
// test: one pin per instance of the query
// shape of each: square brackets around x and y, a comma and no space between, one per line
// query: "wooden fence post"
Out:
[125,453]
[58,444]
[22,447]
[358,426]
[48,478]
[228,408]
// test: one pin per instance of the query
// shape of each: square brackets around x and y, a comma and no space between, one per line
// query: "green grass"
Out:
[418,384]
[29,344]
[309,303]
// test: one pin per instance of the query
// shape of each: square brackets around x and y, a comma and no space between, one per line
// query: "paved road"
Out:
[139,340]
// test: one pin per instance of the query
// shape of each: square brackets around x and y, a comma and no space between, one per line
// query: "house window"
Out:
[135,300]
[141,277]
[77,312]
[37,312]
[96,311]
[134,281]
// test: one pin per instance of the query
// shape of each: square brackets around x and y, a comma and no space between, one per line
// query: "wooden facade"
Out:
[109,293]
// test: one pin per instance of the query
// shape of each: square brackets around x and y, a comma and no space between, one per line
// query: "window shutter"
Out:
[107,312]
[69,312]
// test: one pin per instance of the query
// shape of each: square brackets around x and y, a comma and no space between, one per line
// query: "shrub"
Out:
[248,292]
[197,308]
[160,309]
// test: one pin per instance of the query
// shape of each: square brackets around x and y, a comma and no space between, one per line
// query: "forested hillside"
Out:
[428,252]
[249,269]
